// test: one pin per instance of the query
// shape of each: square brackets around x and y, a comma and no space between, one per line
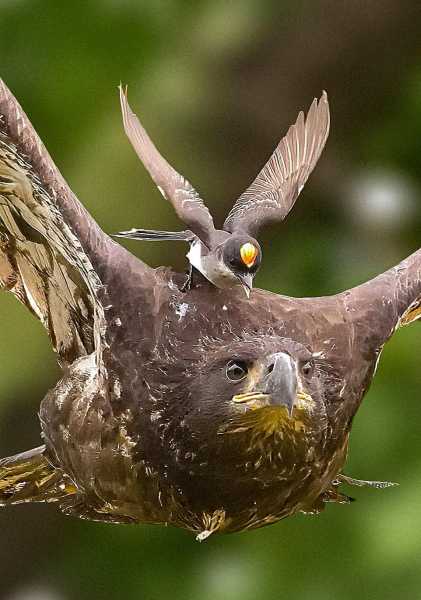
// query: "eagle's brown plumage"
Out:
[172,407]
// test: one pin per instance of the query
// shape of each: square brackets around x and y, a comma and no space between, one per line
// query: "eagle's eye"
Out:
[236,370]
[307,367]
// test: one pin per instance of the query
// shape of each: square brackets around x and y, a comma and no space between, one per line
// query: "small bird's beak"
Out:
[247,283]
[281,381]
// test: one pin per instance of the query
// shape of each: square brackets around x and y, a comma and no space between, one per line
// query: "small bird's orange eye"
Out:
[248,254]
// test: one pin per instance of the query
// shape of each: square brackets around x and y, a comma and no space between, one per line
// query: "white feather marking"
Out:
[117,388]
[162,192]
[181,310]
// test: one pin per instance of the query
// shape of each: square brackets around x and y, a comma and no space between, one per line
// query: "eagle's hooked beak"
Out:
[281,382]
[246,282]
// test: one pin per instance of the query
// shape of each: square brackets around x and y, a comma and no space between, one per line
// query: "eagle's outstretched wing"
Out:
[380,306]
[174,187]
[46,239]
[276,188]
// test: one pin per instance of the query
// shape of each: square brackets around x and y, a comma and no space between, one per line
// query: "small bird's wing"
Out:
[276,188]
[187,203]
[44,237]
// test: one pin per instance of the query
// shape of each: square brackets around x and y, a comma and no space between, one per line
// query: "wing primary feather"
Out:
[187,203]
[47,240]
[276,188]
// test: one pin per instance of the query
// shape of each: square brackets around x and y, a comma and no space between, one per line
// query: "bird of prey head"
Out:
[248,382]
[193,407]
[255,383]
[241,407]
[232,256]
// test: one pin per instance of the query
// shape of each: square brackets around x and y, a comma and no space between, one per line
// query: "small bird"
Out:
[198,408]
[231,256]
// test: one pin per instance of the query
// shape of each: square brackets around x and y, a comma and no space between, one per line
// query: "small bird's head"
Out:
[242,255]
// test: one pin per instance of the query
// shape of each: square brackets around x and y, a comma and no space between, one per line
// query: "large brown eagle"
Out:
[195,406]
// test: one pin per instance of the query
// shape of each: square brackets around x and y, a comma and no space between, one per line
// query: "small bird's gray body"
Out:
[216,271]
[175,404]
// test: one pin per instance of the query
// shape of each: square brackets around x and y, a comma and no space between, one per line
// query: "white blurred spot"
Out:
[381,199]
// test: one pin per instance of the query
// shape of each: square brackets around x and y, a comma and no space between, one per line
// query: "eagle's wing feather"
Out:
[45,237]
[276,188]
[187,203]
[377,308]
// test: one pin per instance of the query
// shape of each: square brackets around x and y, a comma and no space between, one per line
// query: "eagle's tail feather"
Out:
[29,477]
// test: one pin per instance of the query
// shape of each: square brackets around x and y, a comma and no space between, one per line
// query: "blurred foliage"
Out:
[216,84]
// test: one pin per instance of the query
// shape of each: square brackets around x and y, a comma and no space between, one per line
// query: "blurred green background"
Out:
[217,83]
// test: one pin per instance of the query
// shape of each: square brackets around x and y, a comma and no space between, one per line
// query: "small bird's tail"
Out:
[29,477]
[152,235]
